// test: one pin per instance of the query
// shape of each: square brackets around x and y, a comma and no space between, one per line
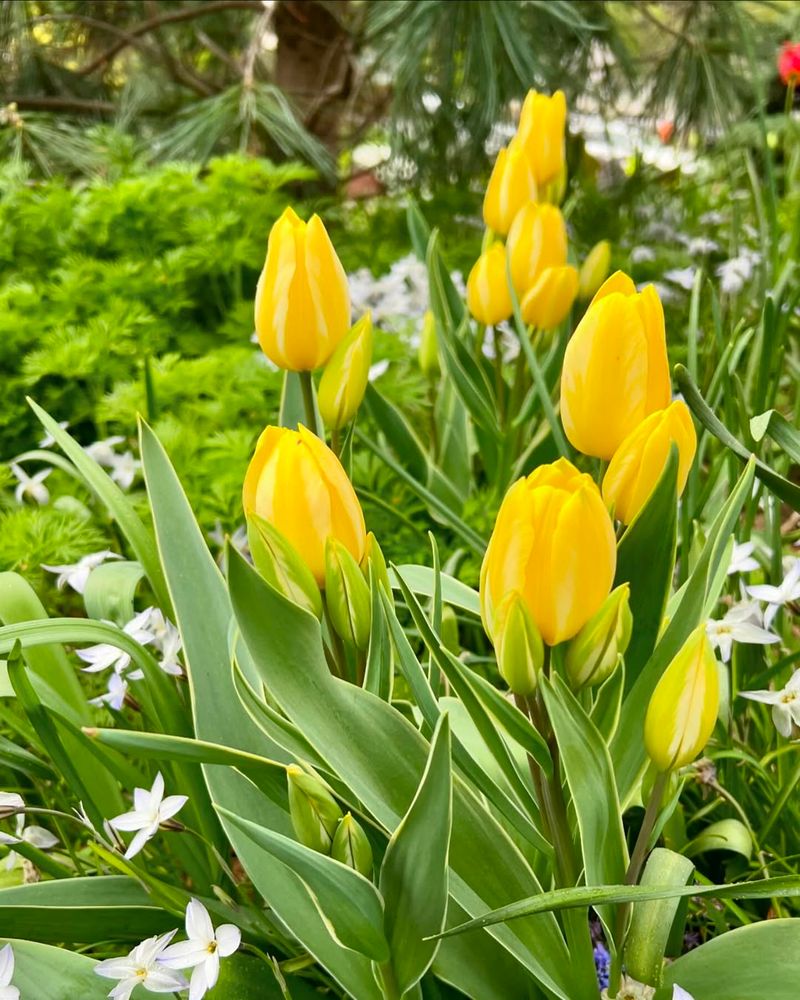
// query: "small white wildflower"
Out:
[678,993]
[106,654]
[701,246]
[103,451]
[124,469]
[36,836]
[115,695]
[378,369]
[712,218]
[10,802]
[683,277]
[785,704]
[737,626]
[734,274]
[48,440]
[141,968]
[165,637]
[150,810]
[31,486]
[742,560]
[7,991]
[787,591]
[203,950]
[76,575]
[642,255]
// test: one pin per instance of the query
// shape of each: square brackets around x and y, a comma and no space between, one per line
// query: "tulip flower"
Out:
[637,464]
[683,708]
[344,380]
[351,847]
[789,63]
[541,133]
[615,370]
[512,185]
[295,482]
[594,269]
[548,303]
[553,543]
[302,307]
[537,240]
[488,295]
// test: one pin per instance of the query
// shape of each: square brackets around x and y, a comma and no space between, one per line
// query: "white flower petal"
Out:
[128,821]
[782,717]
[184,955]
[138,842]
[116,968]
[6,965]
[198,922]
[171,805]
[229,937]
[766,697]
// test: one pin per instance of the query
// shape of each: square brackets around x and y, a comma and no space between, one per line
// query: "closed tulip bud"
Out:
[537,240]
[428,355]
[302,307]
[295,482]
[548,303]
[553,542]
[281,566]
[314,812]
[541,129]
[639,461]
[594,653]
[450,638]
[347,595]
[373,554]
[518,645]
[351,847]
[345,378]
[488,295]
[594,270]
[615,370]
[683,708]
[511,185]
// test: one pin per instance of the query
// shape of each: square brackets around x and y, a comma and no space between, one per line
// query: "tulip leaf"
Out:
[413,879]
[646,560]
[725,835]
[40,971]
[590,777]
[349,904]
[342,720]
[421,580]
[748,963]
[401,437]
[379,673]
[418,229]
[780,430]
[203,614]
[446,302]
[110,590]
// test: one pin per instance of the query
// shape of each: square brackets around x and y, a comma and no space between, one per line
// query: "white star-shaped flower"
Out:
[76,575]
[7,991]
[115,694]
[10,802]
[141,968]
[124,469]
[106,654]
[150,810]
[740,624]
[742,560]
[787,591]
[36,836]
[785,704]
[48,440]
[31,486]
[103,451]
[165,637]
[203,950]
[678,993]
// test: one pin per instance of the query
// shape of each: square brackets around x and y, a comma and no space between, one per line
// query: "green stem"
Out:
[307,386]
[336,442]
[391,991]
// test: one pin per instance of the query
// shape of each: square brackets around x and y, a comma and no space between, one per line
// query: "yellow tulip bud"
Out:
[302,307]
[518,645]
[488,295]
[295,482]
[553,543]
[314,812]
[537,240]
[683,708]
[594,653]
[541,128]
[428,355]
[639,461]
[594,270]
[548,303]
[344,380]
[615,370]
[512,184]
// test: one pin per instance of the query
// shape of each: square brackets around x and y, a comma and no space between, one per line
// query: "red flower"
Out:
[789,62]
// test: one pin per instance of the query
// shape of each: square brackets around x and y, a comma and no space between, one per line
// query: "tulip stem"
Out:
[307,386]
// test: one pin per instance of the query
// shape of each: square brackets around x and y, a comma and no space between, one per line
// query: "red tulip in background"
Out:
[789,62]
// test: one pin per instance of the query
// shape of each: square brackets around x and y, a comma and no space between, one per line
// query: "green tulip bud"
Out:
[280,564]
[314,812]
[594,653]
[450,639]
[428,355]
[344,380]
[346,595]
[373,554]
[351,847]
[518,645]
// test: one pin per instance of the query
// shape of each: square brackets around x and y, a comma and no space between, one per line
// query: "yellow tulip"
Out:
[615,370]
[488,295]
[553,543]
[548,303]
[345,378]
[683,708]
[639,461]
[541,132]
[295,482]
[537,240]
[302,307]
[512,184]
[594,269]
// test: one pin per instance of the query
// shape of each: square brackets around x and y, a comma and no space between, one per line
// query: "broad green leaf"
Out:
[22,760]
[43,972]
[110,591]
[82,910]
[203,614]
[118,505]
[399,433]
[244,977]
[724,835]
[756,962]
[349,904]
[413,879]
[607,705]
[342,721]
[646,560]
[421,581]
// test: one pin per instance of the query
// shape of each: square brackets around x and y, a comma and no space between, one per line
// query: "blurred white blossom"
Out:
[785,704]
[642,255]
[106,654]
[742,560]
[742,623]
[124,469]
[36,836]
[115,694]
[103,451]
[7,991]
[787,591]
[683,277]
[734,274]
[76,575]
[31,487]
[48,440]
